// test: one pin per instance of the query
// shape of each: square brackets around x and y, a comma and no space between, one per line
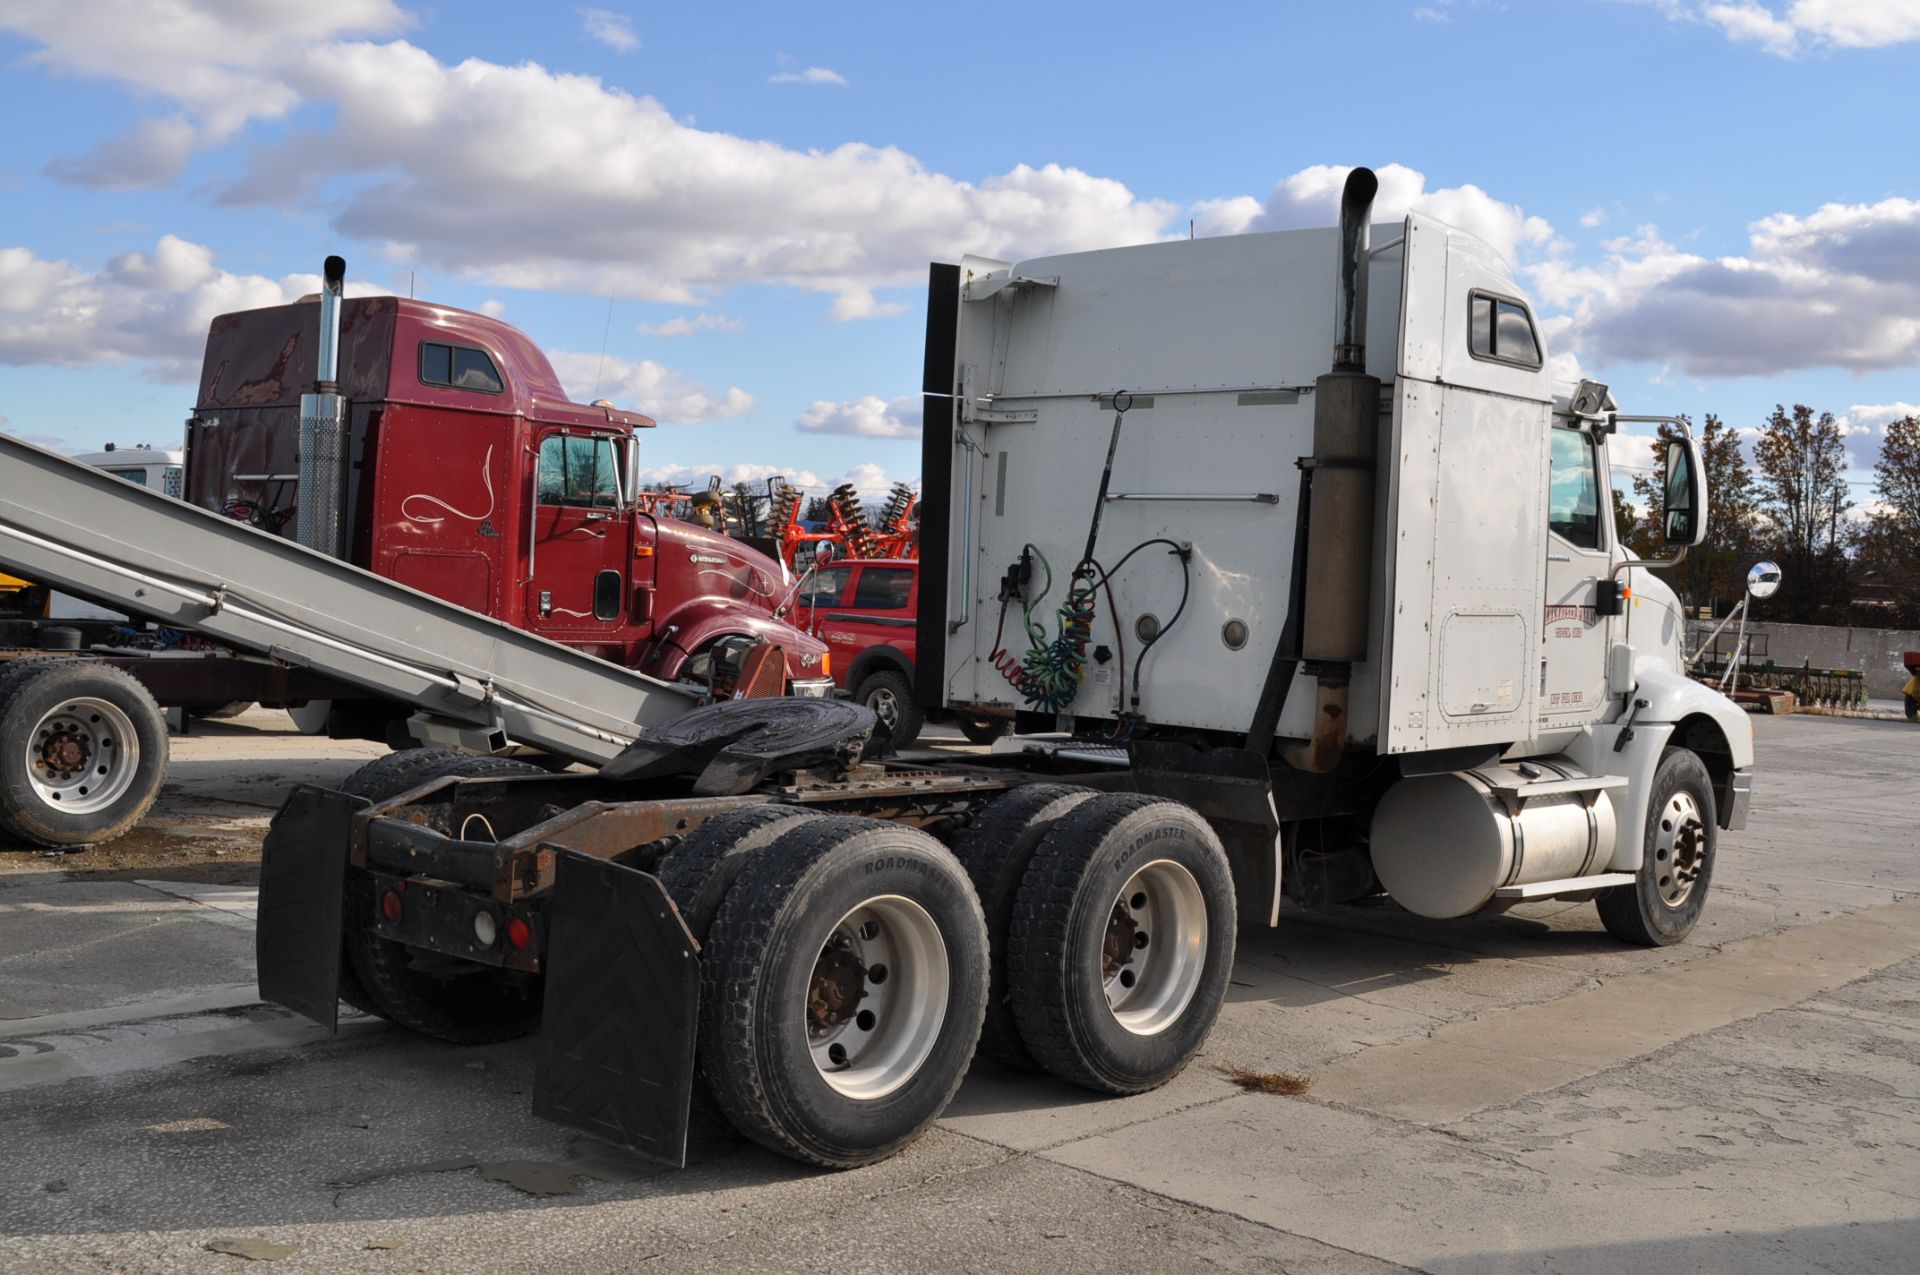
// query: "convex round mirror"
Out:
[824,552]
[1763,580]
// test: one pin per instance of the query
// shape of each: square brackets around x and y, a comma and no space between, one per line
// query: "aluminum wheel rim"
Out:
[885,706]
[1679,849]
[878,997]
[1154,947]
[81,756]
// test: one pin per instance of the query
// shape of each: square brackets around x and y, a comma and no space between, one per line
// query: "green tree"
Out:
[1802,498]
[1887,546]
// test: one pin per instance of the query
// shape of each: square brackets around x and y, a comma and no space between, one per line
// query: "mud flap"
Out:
[1233,791]
[303,881]
[621,1003]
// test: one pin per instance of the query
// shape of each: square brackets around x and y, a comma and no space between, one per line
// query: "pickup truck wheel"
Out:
[1670,889]
[996,850]
[464,1006]
[887,692]
[842,989]
[700,870]
[982,730]
[83,751]
[1121,942]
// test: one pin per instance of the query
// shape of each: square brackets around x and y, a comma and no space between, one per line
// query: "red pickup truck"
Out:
[864,610]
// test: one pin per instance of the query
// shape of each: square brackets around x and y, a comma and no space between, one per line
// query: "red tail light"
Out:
[519,934]
[390,907]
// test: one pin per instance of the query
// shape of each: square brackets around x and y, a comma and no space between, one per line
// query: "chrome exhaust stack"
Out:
[320,521]
[1339,559]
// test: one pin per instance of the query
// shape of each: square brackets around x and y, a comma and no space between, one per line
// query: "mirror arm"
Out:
[1654,564]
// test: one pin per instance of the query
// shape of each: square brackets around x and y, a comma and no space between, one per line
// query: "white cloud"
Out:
[867,417]
[1865,427]
[1805,25]
[151,153]
[557,181]
[149,306]
[646,386]
[219,60]
[1836,288]
[615,30]
[493,309]
[696,476]
[1593,217]
[680,325]
[1311,197]
[811,75]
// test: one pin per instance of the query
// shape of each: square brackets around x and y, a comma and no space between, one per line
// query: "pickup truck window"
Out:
[883,588]
[579,470]
[1501,331]
[460,366]
[825,588]
[1573,501]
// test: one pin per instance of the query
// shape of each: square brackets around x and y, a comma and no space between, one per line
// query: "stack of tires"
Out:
[850,966]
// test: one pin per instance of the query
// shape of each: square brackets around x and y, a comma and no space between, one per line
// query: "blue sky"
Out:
[1718,199]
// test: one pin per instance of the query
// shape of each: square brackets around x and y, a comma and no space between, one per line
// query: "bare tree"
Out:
[1801,494]
[1715,573]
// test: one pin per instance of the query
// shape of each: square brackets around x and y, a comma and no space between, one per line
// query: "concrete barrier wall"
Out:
[1875,652]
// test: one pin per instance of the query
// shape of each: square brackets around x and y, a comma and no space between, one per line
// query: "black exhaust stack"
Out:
[1339,558]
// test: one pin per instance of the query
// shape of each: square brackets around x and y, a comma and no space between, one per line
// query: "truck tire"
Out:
[982,730]
[473,1008]
[1121,943]
[83,751]
[996,850]
[842,990]
[887,692]
[1670,889]
[700,870]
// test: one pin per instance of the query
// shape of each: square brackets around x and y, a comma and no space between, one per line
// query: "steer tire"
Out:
[996,850]
[1646,913]
[1103,869]
[700,870]
[761,979]
[473,1008]
[78,697]
[890,695]
[982,730]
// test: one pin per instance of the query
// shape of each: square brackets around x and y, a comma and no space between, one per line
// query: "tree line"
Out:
[1792,503]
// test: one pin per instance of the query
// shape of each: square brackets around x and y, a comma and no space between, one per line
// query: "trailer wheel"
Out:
[1676,866]
[982,730]
[888,694]
[700,870]
[465,1007]
[1121,943]
[842,990]
[83,751]
[995,850]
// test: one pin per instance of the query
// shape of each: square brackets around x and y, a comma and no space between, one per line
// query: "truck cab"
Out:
[468,474]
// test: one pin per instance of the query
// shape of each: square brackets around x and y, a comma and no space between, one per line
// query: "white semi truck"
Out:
[1299,577]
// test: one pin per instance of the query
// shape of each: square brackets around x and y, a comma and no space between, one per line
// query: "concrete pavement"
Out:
[1516,1093]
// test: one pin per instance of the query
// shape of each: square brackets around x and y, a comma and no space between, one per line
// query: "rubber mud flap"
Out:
[303,882]
[622,1002]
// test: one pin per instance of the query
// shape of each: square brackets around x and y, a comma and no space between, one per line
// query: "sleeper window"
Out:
[459,366]
[1502,331]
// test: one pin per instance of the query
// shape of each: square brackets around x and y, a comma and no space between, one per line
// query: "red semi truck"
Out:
[465,473]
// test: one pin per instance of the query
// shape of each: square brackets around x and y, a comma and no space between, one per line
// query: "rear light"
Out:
[390,907]
[519,934]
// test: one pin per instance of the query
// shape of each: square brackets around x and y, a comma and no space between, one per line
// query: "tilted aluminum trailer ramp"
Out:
[474,679]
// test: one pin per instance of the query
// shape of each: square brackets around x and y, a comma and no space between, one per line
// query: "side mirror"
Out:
[1683,517]
[1763,581]
[824,552]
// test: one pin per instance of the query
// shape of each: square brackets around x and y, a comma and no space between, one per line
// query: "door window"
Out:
[579,470]
[883,588]
[1573,502]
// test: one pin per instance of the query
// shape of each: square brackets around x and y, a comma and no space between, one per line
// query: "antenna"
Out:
[409,285]
[604,331]
[1189,229]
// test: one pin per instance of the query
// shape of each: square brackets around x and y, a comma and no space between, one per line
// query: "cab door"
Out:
[580,544]
[1575,637]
